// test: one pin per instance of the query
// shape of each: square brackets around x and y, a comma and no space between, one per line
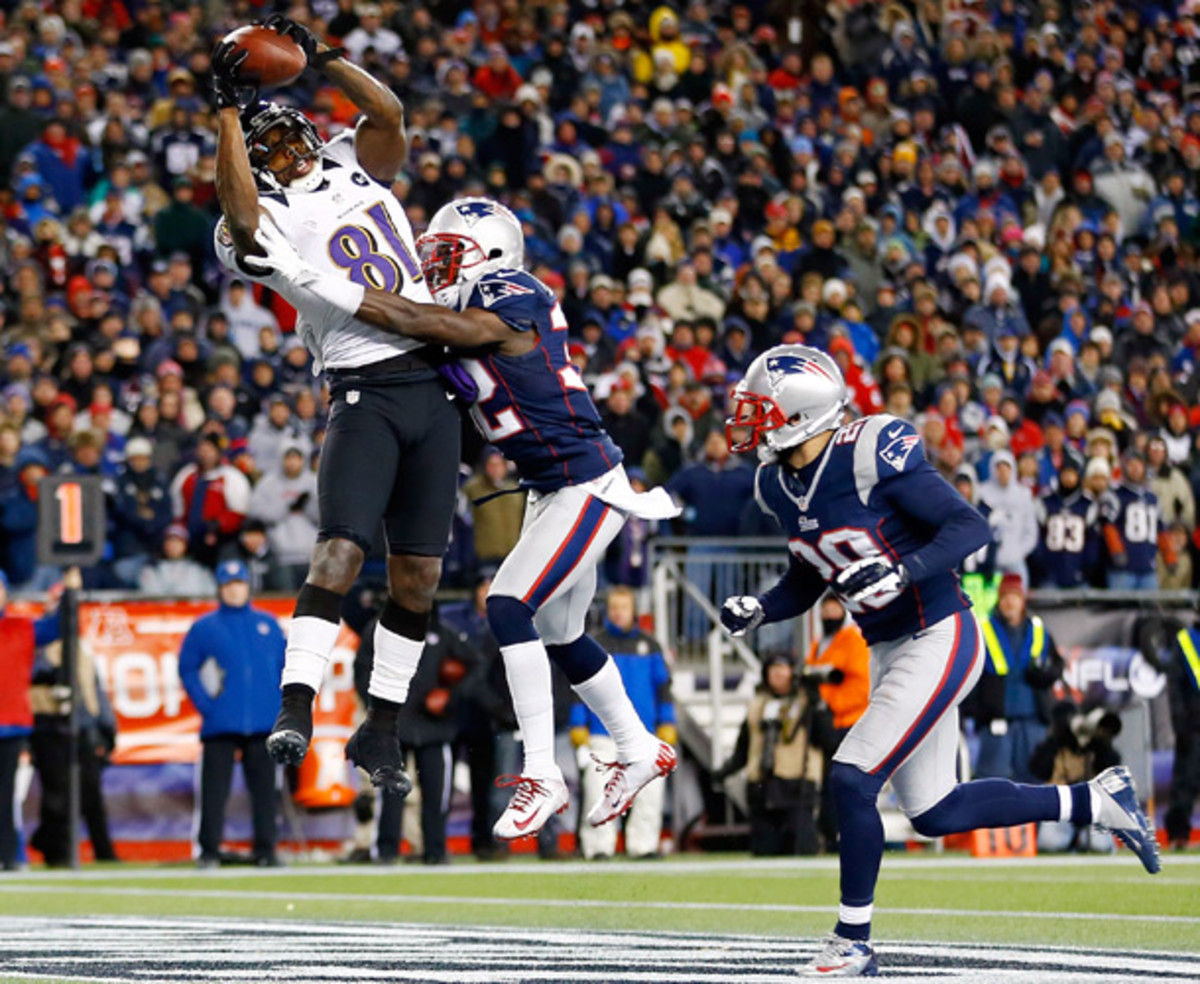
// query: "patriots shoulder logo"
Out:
[779,366]
[896,453]
[493,291]
[472,212]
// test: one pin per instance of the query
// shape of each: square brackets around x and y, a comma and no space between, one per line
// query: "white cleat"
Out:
[840,957]
[532,805]
[1120,814]
[628,779]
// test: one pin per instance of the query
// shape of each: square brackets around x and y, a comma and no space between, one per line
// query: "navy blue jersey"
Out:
[534,407]
[1133,510]
[872,493]
[1069,541]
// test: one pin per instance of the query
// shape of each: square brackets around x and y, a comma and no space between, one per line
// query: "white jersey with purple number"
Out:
[350,226]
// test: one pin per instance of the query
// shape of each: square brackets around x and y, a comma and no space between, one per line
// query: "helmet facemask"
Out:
[448,261]
[284,149]
[754,415]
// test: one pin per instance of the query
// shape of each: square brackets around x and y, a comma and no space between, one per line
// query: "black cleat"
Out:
[289,738]
[378,755]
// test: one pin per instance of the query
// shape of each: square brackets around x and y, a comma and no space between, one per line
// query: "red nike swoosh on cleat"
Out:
[826,970]
[522,825]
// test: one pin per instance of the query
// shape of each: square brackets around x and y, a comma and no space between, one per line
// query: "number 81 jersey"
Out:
[535,407]
[859,499]
[349,226]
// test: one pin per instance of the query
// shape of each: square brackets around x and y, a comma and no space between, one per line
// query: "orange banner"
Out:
[136,648]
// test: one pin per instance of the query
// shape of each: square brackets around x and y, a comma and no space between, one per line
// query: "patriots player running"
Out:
[534,407]
[391,452]
[867,515]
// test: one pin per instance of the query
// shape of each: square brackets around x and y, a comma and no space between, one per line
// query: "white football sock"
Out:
[604,693]
[528,670]
[310,644]
[855,915]
[396,661]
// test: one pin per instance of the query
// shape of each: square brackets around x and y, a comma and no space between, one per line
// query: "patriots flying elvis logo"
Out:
[491,291]
[779,366]
[896,452]
[472,212]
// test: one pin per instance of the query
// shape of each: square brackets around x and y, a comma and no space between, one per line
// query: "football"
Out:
[273,59]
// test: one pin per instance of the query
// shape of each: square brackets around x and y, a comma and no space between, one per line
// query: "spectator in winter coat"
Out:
[176,574]
[140,511]
[209,498]
[230,664]
[273,431]
[246,319]
[1013,518]
[286,500]
[497,520]
[18,517]
[19,640]
[713,491]
[639,660]
[1176,501]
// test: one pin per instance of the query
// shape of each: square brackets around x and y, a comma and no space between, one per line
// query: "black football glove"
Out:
[871,577]
[230,91]
[305,38]
[741,614]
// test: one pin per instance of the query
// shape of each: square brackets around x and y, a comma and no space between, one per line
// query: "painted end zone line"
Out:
[208,893]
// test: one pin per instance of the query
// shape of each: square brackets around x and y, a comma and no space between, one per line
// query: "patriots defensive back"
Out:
[866,515]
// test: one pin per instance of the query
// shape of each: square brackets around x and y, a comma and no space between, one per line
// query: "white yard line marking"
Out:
[623,904]
[750,866]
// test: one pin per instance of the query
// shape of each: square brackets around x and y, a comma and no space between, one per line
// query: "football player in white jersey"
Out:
[534,407]
[392,449]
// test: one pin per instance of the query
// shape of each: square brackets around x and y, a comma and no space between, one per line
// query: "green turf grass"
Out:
[1066,903]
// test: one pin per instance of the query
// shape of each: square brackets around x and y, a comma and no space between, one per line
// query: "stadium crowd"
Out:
[987,212]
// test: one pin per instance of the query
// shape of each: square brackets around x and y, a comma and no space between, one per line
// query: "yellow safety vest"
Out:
[1190,654]
[996,651]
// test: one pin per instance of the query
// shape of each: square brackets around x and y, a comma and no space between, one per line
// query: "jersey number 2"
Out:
[493,426]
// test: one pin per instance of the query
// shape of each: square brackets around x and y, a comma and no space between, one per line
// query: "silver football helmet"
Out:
[272,134]
[466,239]
[789,394]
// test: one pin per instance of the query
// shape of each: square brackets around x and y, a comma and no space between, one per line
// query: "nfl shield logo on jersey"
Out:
[352,397]
[897,451]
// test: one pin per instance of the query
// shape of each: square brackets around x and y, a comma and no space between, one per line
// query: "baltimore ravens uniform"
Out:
[392,448]
[536,409]
[1069,545]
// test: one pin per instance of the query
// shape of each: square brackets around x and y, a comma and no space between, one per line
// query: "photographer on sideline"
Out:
[781,746]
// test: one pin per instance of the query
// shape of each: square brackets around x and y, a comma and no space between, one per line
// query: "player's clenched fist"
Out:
[741,614]
[872,577]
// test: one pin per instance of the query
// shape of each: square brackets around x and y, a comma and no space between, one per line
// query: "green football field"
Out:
[1100,904]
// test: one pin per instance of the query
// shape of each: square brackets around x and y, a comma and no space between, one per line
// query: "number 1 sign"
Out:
[71,525]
